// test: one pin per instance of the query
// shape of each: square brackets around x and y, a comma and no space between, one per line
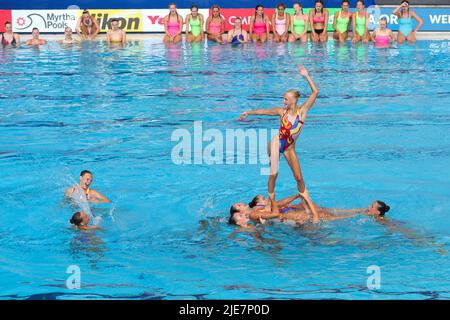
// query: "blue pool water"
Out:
[379,130]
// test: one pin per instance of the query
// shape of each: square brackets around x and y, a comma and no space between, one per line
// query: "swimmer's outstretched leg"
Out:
[274,156]
[292,159]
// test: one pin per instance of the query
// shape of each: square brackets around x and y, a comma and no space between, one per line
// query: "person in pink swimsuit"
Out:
[173,25]
[281,20]
[319,23]
[259,25]
[383,36]
[215,25]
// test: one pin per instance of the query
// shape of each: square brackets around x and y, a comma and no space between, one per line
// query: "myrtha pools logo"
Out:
[45,22]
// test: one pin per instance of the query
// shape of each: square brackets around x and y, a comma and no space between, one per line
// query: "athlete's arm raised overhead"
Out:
[315,92]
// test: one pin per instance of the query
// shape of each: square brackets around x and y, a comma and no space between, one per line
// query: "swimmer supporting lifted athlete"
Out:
[292,120]
[86,178]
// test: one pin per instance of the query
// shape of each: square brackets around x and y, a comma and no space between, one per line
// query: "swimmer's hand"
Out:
[302,70]
[243,115]
[262,221]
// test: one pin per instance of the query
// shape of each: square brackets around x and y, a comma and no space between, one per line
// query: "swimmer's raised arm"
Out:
[262,112]
[315,92]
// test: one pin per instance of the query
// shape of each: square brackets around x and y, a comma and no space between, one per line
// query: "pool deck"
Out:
[153,36]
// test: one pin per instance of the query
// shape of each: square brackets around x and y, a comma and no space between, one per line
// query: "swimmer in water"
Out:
[292,119]
[9,38]
[68,39]
[215,25]
[115,34]
[383,36]
[35,41]
[86,178]
[242,215]
[87,26]
[281,20]
[173,25]
[259,25]
[341,22]
[360,24]
[405,17]
[80,220]
[194,26]
[237,35]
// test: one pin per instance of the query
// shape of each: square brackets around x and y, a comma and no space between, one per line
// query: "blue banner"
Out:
[434,19]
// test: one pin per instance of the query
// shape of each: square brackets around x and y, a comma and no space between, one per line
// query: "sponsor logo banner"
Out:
[230,14]
[129,20]
[45,20]
[5,15]
[154,19]
[434,19]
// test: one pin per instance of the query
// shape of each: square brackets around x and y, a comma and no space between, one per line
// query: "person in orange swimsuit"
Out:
[87,26]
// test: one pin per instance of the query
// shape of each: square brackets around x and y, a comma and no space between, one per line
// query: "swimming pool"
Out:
[379,130]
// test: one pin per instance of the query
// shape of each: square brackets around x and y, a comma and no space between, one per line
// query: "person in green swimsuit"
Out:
[299,25]
[341,22]
[194,26]
[360,24]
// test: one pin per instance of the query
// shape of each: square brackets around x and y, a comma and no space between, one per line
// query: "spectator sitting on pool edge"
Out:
[87,26]
[86,178]
[81,220]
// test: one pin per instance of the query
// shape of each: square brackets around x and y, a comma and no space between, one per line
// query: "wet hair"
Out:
[382,207]
[34,29]
[215,6]
[194,6]
[7,22]
[345,1]
[233,210]
[360,1]
[85,172]
[172,4]
[281,5]
[403,1]
[76,219]
[114,20]
[296,93]
[299,4]
[85,11]
[254,202]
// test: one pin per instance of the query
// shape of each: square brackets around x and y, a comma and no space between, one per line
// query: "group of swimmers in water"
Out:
[292,119]
[286,27]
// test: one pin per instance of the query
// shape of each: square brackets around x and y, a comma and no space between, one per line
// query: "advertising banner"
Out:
[129,20]
[5,15]
[154,19]
[434,19]
[45,20]
[245,14]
